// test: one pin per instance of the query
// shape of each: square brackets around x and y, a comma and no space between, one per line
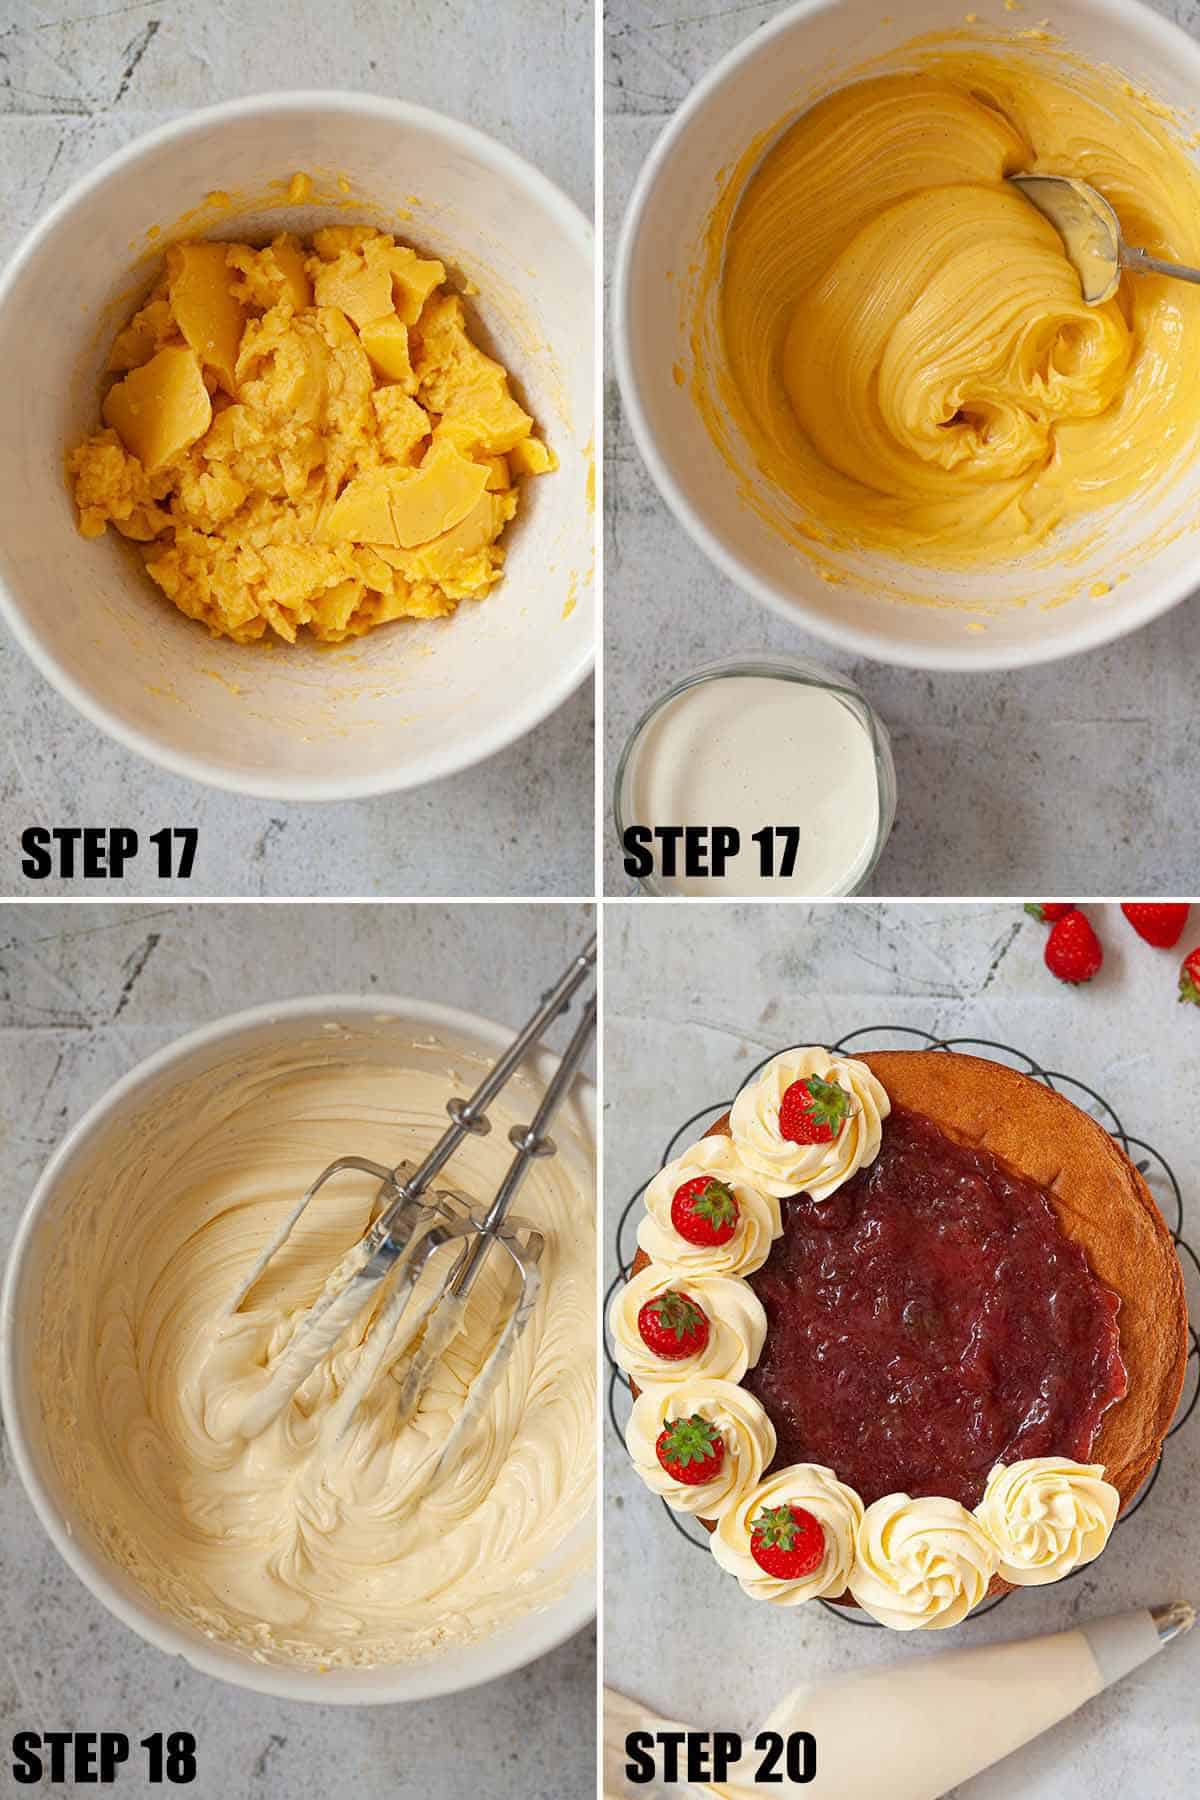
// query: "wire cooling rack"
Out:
[1151,1163]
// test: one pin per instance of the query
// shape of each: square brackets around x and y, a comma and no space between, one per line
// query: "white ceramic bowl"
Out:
[376,1025]
[410,702]
[810,48]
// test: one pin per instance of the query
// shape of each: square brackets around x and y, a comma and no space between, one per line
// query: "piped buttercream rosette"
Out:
[782,1167]
[837,1510]
[1047,1516]
[737,1327]
[758,1220]
[747,1436]
[921,1564]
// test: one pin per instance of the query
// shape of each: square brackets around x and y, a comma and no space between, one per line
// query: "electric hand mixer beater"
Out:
[411,1224]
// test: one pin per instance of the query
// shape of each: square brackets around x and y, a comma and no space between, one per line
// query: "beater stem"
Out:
[449,1314]
[468,1114]
[529,1141]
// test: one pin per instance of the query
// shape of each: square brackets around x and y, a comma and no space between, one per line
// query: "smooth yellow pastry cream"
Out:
[307,437]
[296,1544]
[905,347]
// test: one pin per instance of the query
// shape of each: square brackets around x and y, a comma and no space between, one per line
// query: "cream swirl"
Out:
[758,1215]
[1047,1516]
[782,1167]
[736,1320]
[746,1432]
[921,1564]
[276,1544]
[837,1509]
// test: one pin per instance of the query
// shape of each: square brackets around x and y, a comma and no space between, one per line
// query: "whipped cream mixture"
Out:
[279,1544]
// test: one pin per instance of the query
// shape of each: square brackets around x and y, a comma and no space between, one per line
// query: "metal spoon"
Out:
[1091,232]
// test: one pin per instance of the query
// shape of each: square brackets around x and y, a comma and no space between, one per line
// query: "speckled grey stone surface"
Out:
[85,992]
[80,78]
[1075,777]
[694,998]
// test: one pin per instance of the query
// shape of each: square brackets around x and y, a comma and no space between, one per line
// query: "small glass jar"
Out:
[774,668]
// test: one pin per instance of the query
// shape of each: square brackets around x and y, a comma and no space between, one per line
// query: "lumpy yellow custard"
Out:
[902,341]
[306,437]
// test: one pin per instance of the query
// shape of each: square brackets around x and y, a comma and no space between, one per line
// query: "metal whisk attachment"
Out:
[411,1223]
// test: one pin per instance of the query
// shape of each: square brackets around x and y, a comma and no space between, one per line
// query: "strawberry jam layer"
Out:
[929,1320]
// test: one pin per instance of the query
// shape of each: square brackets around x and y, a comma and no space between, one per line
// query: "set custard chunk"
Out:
[903,1330]
[307,437]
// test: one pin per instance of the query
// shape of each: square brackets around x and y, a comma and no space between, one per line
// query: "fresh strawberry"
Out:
[1189,977]
[1160,924]
[673,1326]
[704,1211]
[1048,911]
[787,1542]
[1073,951]
[813,1111]
[691,1450]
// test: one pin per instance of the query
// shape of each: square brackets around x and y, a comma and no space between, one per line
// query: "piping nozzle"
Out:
[1172,1619]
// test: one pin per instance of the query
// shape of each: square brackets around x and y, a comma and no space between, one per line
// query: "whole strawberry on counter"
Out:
[1073,951]
[1189,977]
[1159,922]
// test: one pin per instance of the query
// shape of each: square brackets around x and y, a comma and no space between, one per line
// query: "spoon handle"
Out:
[1145,264]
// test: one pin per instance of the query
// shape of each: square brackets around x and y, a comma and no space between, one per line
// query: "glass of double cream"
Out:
[756,776]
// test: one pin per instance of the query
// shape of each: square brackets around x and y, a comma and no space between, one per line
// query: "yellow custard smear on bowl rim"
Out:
[305,436]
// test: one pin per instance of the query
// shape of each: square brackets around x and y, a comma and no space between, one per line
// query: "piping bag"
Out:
[919,1728]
